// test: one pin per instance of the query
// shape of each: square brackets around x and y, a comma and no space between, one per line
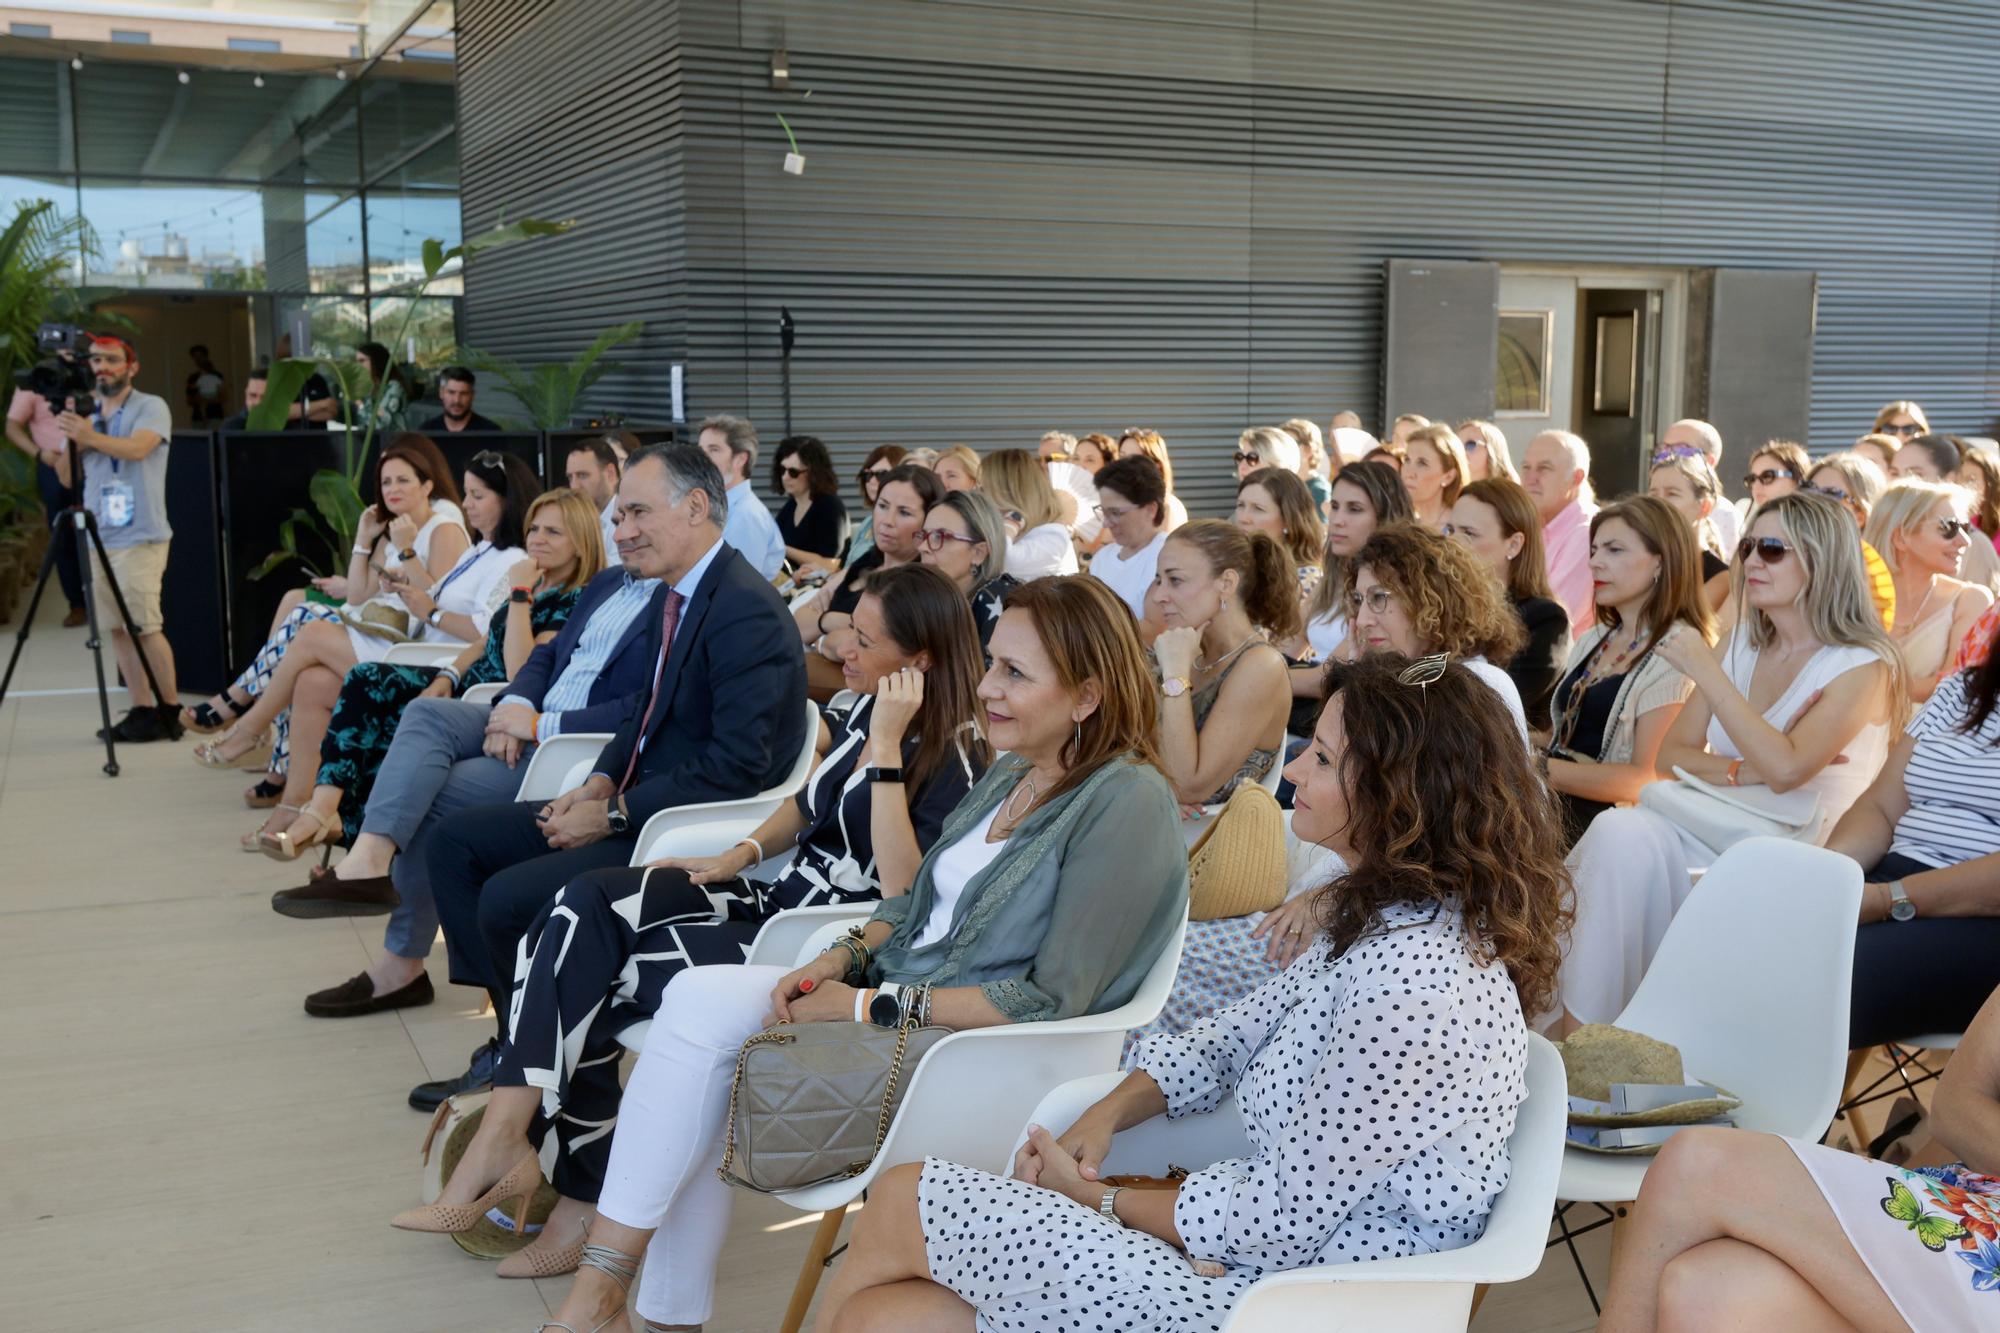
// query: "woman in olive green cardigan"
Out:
[1050,892]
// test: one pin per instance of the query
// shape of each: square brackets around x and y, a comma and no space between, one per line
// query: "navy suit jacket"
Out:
[626,676]
[731,719]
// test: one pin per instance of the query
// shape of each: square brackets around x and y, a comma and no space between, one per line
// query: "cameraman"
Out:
[124,452]
[32,428]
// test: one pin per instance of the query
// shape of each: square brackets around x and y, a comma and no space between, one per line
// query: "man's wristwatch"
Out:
[1900,906]
[617,819]
[1108,1204]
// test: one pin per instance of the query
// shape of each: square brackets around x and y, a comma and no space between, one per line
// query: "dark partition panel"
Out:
[265,475]
[459,448]
[561,441]
[193,598]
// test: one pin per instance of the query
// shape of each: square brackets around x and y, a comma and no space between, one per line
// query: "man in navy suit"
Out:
[449,754]
[723,718]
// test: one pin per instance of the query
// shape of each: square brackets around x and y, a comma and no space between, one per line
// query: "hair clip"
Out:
[1424,670]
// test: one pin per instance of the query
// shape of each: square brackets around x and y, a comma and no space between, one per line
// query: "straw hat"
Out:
[1598,1055]
[1237,867]
[379,620]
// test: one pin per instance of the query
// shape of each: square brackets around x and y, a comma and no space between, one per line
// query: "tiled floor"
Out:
[181,1148]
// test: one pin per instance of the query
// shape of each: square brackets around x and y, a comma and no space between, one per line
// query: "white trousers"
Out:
[670,1130]
[1632,870]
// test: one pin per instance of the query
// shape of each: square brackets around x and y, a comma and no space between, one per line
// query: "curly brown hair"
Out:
[1453,600]
[1445,808]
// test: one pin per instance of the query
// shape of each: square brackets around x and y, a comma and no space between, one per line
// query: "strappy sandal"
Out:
[264,795]
[287,844]
[209,754]
[203,718]
[622,1268]
[253,841]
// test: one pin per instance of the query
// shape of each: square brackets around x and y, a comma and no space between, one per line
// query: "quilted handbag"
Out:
[812,1102]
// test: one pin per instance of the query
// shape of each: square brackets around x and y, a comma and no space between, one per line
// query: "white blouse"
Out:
[1378,1089]
[953,870]
[474,587]
[1041,551]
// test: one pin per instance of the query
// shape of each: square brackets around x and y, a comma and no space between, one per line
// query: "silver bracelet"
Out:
[452,672]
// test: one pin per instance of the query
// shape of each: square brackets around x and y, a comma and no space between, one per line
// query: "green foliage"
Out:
[549,394]
[39,253]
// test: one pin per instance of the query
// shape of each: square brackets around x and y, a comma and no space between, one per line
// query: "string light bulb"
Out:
[76,63]
[257,81]
[182,76]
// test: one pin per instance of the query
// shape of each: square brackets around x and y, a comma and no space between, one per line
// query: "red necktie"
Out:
[668,620]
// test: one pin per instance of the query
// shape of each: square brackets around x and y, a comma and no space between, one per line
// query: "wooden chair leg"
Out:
[1478,1299]
[1857,1063]
[824,1236]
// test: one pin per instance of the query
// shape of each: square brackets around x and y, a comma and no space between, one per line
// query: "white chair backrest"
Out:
[485,694]
[756,808]
[1269,782]
[559,764]
[1753,978]
[419,654]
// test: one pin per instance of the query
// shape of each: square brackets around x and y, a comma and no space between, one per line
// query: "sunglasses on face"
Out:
[1830,492]
[1667,453]
[1249,460]
[1950,528]
[933,539]
[486,458]
[1768,549]
[1769,475]
[1908,430]
[791,471]
[1377,599]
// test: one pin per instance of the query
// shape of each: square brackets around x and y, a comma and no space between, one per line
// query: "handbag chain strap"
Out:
[767,1038]
[774,1037]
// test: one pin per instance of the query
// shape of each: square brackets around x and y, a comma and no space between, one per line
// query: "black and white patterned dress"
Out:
[1378,1089]
[597,959]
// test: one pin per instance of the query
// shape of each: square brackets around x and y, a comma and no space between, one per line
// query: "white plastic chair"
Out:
[1752,982]
[485,694]
[756,808]
[419,654]
[1424,1293]
[560,763]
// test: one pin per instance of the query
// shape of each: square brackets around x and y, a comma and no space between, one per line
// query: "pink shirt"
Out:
[32,411]
[1566,546]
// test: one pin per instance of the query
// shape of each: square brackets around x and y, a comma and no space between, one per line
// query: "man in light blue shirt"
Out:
[731,444]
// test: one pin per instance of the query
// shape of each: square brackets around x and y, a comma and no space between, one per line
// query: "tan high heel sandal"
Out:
[519,1185]
[253,841]
[287,844]
[530,1262]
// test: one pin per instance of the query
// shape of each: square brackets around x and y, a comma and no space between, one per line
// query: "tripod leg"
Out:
[87,576]
[28,621]
[89,524]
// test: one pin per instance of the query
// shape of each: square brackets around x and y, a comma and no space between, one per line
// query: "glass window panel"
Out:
[35,131]
[399,222]
[407,110]
[329,326]
[428,338]
[1521,384]
[28,30]
[253,44]
[223,237]
[140,120]
[131,37]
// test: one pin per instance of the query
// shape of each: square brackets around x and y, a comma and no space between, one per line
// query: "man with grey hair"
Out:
[1555,472]
[731,444]
[1692,433]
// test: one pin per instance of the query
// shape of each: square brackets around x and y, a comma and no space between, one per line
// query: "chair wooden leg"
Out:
[824,1235]
[1857,1062]
[1478,1299]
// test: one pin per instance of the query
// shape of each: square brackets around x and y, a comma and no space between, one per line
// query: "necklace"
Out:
[1248,639]
[1008,814]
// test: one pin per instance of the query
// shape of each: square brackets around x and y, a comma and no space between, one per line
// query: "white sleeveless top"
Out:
[1837,785]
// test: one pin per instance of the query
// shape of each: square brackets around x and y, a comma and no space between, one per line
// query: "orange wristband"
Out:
[1735,769]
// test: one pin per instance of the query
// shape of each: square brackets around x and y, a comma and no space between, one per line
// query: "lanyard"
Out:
[465,562]
[113,425]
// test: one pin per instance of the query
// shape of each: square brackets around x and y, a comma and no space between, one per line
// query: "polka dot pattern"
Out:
[1377,1088]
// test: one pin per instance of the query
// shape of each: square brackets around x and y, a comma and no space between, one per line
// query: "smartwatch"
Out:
[616,818]
[885,1010]
[410,554]
[523,595]
[1900,906]
[882,775]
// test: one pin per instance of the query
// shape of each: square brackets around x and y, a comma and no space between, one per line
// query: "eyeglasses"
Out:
[1112,513]
[1768,549]
[1248,459]
[1830,492]
[1377,600]
[933,539]
[1769,475]
[1908,430]
[1013,516]
[791,471]
[1424,670]
[1949,528]
[1473,445]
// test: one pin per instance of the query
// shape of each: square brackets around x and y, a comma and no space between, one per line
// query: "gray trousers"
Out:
[435,766]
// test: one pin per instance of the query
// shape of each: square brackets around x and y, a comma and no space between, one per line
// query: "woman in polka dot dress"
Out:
[1378,1076]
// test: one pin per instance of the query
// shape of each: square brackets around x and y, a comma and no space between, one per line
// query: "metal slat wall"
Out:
[1094,214]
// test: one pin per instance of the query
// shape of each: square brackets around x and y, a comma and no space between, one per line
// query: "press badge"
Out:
[114,504]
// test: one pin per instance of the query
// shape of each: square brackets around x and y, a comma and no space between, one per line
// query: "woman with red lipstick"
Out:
[1618,697]
[1801,699]
[604,950]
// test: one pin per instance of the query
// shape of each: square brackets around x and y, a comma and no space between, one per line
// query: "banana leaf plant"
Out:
[335,515]
[549,393]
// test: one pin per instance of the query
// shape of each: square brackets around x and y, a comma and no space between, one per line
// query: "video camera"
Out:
[63,371]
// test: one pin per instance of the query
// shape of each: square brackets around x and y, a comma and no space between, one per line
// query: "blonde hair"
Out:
[1865,482]
[963,455]
[1450,449]
[1702,478]
[1018,480]
[1903,407]
[1312,448]
[1273,447]
[1499,461]
[1903,508]
[1836,603]
[1152,445]
[1888,444]
[581,524]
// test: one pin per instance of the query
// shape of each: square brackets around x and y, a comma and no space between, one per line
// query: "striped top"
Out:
[1953,781]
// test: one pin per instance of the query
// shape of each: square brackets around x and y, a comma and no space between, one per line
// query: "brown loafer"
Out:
[329,895]
[356,996]
[73,617]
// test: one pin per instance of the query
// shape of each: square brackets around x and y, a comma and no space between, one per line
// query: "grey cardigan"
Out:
[1069,916]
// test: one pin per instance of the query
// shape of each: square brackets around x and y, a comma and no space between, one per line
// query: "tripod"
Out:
[82,524]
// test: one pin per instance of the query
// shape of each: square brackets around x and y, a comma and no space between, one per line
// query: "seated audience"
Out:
[1496,520]
[1855,483]
[1402,428]
[1902,420]
[958,468]
[1221,595]
[723,721]
[563,555]
[1920,530]
[1389,455]
[881,460]
[591,469]
[1779,468]
[1132,501]
[1556,472]
[1138,442]
[1979,475]
[1348,444]
[1055,446]
[965,538]
[731,444]
[456,388]
[903,496]
[1278,505]
[1802,698]
[1365,496]
[1927,458]
[812,522]
[1312,458]
[1378,1078]
[1690,436]
[1927,836]
[1486,453]
[1880,450]
[1345,421]
[1050,892]
[1691,489]
[1093,452]
[1038,541]
[1746,1230]
[1434,471]
[1618,697]
[1413,590]
[1265,446]
[600,955]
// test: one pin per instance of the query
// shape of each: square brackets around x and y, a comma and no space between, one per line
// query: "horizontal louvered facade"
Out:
[1089,215]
